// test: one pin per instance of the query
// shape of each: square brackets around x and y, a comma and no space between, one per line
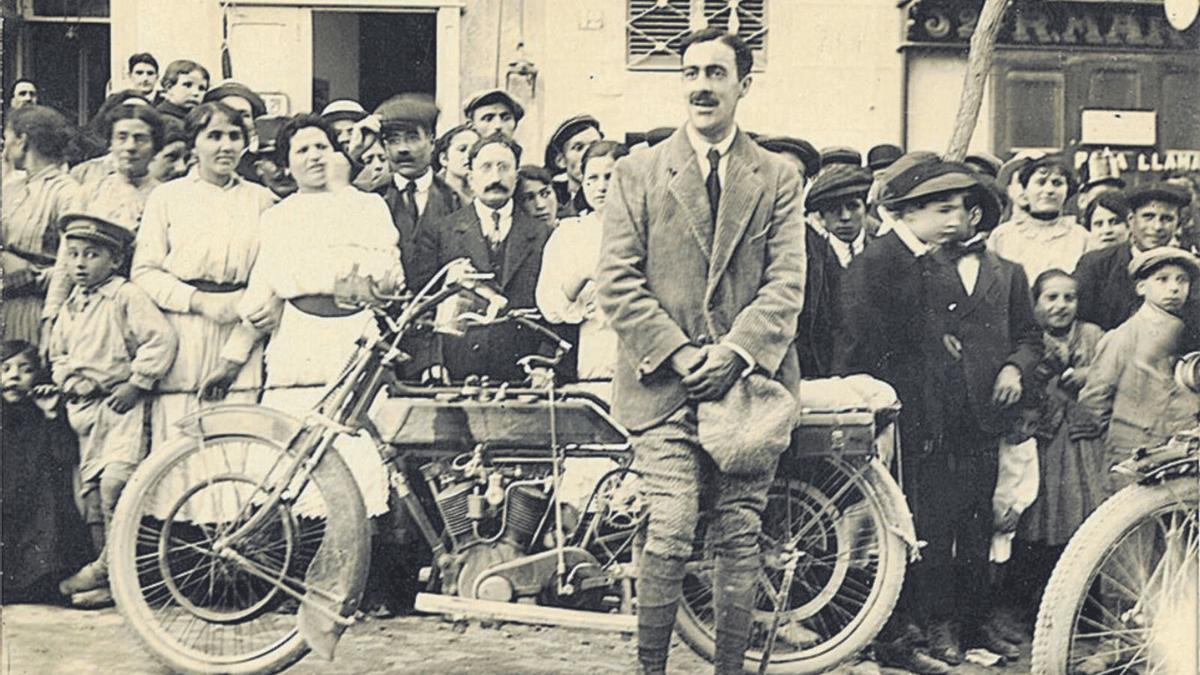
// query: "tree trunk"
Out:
[979,64]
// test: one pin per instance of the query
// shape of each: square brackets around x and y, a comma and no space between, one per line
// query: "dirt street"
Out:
[39,640]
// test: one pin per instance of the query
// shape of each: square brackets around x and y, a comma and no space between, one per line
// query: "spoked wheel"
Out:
[613,517]
[847,577]
[1123,597]
[202,591]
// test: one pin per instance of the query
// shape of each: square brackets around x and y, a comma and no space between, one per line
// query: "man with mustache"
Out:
[564,159]
[1107,296]
[702,277]
[415,195]
[497,238]
[494,111]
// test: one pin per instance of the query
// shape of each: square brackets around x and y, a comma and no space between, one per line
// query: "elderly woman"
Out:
[309,240]
[35,138]
[196,245]
[1042,237]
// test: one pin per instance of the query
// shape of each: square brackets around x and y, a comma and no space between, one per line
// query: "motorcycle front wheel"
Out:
[1123,597]
[200,600]
[842,519]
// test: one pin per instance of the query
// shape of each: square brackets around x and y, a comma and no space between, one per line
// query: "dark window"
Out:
[1033,109]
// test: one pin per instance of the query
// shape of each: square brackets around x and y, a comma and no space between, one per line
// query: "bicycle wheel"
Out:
[200,602]
[842,519]
[1123,597]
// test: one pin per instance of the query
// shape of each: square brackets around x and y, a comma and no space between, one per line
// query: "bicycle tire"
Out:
[888,510]
[1073,576]
[331,474]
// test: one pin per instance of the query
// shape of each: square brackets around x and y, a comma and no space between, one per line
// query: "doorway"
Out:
[370,56]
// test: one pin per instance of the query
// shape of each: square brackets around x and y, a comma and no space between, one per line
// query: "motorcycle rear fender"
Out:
[340,564]
[895,507]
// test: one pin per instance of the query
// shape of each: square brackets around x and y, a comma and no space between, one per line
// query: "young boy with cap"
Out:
[1131,391]
[838,197]
[951,327]
[109,346]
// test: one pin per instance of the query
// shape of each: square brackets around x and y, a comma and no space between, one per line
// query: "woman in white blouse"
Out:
[307,241]
[566,290]
[566,293]
[1041,237]
[196,244]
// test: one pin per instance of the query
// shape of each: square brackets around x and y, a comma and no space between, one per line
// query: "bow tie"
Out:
[959,250]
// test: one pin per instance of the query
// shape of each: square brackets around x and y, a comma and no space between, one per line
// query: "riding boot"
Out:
[659,586]
[733,602]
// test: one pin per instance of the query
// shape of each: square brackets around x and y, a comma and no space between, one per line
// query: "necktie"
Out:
[410,200]
[952,253]
[713,183]
[494,235]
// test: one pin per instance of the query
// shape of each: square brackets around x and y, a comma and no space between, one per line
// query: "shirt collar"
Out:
[424,181]
[234,180]
[701,145]
[485,212]
[918,247]
[108,289]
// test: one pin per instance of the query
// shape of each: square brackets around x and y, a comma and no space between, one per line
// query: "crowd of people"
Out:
[182,249]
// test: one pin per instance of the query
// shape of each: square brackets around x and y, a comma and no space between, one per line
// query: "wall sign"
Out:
[1059,25]
[1147,161]
[1118,127]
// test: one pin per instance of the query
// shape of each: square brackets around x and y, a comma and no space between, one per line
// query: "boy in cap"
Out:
[564,161]
[1131,391]
[838,198]
[950,325]
[109,346]
[494,111]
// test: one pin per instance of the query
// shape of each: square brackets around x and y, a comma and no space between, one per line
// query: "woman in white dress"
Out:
[566,293]
[307,241]
[1042,237]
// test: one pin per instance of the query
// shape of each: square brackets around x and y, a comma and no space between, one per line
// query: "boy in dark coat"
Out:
[950,325]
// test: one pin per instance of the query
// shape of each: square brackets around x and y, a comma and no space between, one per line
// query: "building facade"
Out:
[1068,73]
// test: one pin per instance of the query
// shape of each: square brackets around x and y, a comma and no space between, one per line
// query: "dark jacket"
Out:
[814,334]
[443,201]
[893,312]
[169,109]
[486,350]
[1108,296]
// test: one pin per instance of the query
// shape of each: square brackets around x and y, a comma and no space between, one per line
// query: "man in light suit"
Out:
[702,277]
[498,238]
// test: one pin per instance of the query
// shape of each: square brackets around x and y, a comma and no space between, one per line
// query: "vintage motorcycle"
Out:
[1123,597]
[246,545]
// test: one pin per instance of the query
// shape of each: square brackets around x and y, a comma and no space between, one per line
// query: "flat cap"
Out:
[840,154]
[882,156]
[1159,192]
[795,146]
[837,183]
[565,132]
[984,162]
[78,225]
[913,178]
[406,110]
[1145,262]
[234,88]
[343,109]
[493,96]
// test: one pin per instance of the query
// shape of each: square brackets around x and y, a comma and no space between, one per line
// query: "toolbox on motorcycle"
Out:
[842,416]
[454,425]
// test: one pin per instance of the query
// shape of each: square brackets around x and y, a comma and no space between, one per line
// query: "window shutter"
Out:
[655,28]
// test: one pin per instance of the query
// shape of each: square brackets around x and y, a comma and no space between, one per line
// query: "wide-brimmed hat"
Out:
[836,184]
[90,227]
[1145,262]
[565,132]
[493,96]
[1159,192]
[799,147]
[234,88]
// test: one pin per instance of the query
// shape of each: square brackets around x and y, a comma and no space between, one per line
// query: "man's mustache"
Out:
[496,186]
[703,98]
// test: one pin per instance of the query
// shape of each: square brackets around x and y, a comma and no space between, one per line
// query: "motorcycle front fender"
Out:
[339,567]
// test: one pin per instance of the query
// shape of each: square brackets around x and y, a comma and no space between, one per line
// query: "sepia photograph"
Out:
[527,337]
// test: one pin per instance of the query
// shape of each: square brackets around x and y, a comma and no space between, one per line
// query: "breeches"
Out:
[100,494]
[106,436]
[680,481]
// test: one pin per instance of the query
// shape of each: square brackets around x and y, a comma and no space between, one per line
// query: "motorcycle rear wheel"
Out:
[194,609]
[1123,596]
[846,583]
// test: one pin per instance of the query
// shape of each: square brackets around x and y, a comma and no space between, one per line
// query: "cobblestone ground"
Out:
[41,640]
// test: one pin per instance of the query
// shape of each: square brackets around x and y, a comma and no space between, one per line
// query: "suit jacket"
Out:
[1108,296]
[487,350]
[893,311]
[669,276]
[814,335]
[443,201]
